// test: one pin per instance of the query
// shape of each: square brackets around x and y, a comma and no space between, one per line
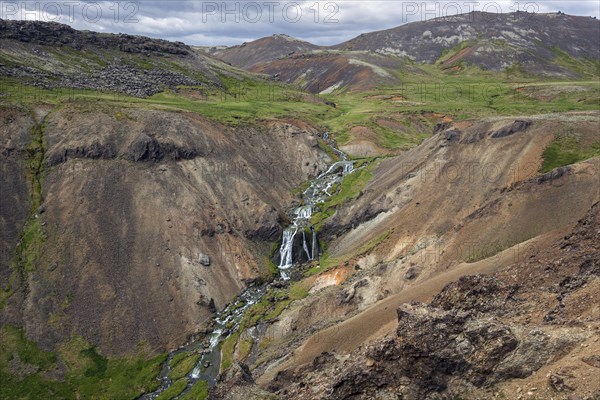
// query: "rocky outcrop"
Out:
[237,383]
[134,65]
[118,78]
[122,78]
[55,34]
[515,127]
[147,148]
[478,334]
[436,353]
[96,151]
[476,293]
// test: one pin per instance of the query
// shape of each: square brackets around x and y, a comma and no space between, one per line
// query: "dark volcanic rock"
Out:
[517,126]
[141,75]
[95,151]
[554,174]
[440,127]
[147,148]
[55,34]
[452,135]
[126,79]
[478,293]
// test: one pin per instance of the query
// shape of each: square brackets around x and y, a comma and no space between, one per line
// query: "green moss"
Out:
[584,67]
[174,390]
[275,311]
[349,190]
[566,149]
[327,149]
[300,189]
[178,357]
[197,392]
[90,375]
[94,376]
[227,350]
[184,366]
[266,310]
[29,251]
[265,342]
[244,347]
[327,262]
[99,363]
[298,290]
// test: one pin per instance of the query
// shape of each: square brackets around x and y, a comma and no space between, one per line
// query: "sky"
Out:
[212,23]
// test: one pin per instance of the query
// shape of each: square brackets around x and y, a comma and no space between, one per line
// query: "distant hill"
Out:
[493,41]
[541,45]
[263,50]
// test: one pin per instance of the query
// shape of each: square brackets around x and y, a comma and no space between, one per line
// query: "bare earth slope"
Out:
[149,219]
[536,315]
[468,200]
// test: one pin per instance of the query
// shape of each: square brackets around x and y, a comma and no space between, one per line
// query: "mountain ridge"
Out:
[541,45]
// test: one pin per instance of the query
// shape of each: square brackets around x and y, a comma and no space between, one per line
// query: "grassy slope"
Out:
[27,372]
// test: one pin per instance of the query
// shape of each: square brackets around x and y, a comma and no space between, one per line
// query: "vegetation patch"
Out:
[75,371]
[199,391]
[349,189]
[30,246]
[566,149]
[299,290]
[183,366]
[244,347]
[174,390]
[227,350]
[491,249]
[326,262]
[267,310]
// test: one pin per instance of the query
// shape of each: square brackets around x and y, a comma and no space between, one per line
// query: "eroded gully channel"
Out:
[299,244]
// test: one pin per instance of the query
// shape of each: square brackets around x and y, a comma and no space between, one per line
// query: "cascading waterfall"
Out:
[287,243]
[314,243]
[304,246]
[228,319]
[319,191]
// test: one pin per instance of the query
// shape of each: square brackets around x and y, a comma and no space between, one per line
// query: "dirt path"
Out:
[381,318]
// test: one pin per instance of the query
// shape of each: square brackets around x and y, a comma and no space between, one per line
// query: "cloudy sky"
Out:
[210,23]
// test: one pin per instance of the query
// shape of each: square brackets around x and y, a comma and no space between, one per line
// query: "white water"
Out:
[287,242]
[320,189]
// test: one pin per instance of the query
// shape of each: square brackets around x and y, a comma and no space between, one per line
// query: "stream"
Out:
[227,320]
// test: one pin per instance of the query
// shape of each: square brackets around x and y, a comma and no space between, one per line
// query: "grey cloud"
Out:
[208,23]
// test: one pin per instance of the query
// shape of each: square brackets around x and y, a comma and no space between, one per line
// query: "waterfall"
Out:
[305,246]
[287,244]
[314,242]
[320,189]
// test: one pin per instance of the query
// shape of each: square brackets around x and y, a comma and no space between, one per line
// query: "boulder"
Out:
[204,259]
